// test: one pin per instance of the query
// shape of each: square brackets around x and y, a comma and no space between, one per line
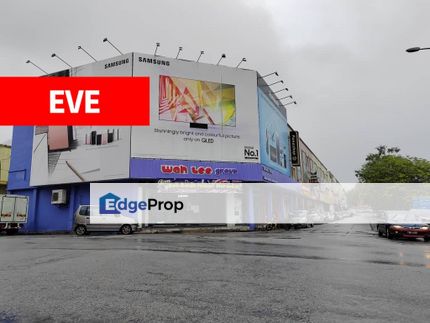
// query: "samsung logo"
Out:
[117,63]
[154,61]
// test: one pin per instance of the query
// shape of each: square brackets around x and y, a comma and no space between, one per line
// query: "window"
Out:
[84,210]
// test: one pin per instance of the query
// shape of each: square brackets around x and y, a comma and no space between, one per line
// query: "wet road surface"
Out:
[330,273]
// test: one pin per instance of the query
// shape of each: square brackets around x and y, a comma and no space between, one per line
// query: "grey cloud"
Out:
[344,61]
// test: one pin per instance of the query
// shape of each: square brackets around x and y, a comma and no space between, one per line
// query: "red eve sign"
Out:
[74,101]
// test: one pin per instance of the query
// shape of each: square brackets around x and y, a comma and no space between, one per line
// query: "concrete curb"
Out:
[193,230]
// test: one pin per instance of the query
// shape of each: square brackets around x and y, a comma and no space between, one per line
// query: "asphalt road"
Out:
[331,273]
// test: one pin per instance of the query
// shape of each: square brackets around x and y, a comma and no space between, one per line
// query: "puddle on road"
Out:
[401,263]
[7,318]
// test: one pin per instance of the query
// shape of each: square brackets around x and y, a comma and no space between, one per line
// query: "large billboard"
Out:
[273,135]
[70,154]
[198,112]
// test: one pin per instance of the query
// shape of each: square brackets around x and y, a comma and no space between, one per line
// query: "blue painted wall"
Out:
[43,216]
[20,167]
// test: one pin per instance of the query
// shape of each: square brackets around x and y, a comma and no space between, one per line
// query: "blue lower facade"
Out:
[44,217]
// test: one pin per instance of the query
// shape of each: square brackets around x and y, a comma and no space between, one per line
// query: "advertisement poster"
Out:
[273,135]
[198,112]
[71,154]
[194,170]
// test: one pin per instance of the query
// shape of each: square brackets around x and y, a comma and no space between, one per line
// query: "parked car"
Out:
[299,219]
[315,216]
[395,231]
[84,225]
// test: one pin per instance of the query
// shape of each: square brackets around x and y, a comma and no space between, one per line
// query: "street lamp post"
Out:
[110,43]
[86,52]
[56,56]
[242,61]
[201,53]
[294,102]
[179,51]
[221,58]
[416,49]
[37,66]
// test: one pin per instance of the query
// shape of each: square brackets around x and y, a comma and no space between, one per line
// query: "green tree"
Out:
[388,166]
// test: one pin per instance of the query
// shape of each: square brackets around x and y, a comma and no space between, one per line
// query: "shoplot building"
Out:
[208,123]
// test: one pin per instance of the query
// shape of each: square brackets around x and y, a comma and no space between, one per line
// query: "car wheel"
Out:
[426,239]
[388,234]
[126,229]
[379,232]
[11,232]
[81,230]
[287,226]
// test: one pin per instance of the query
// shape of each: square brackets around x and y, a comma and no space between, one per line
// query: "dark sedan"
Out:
[396,231]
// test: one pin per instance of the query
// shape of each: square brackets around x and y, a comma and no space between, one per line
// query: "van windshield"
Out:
[85,210]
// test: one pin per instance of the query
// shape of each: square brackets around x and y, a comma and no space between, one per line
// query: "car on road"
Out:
[315,216]
[299,219]
[396,231]
[88,219]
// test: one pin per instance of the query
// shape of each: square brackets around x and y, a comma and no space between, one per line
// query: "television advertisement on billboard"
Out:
[198,112]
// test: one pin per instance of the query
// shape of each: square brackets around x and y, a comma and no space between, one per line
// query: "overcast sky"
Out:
[343,60]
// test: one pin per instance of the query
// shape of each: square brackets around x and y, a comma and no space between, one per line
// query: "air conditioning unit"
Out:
[59,197]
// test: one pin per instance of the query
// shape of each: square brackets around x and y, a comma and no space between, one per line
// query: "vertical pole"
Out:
[251,214]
